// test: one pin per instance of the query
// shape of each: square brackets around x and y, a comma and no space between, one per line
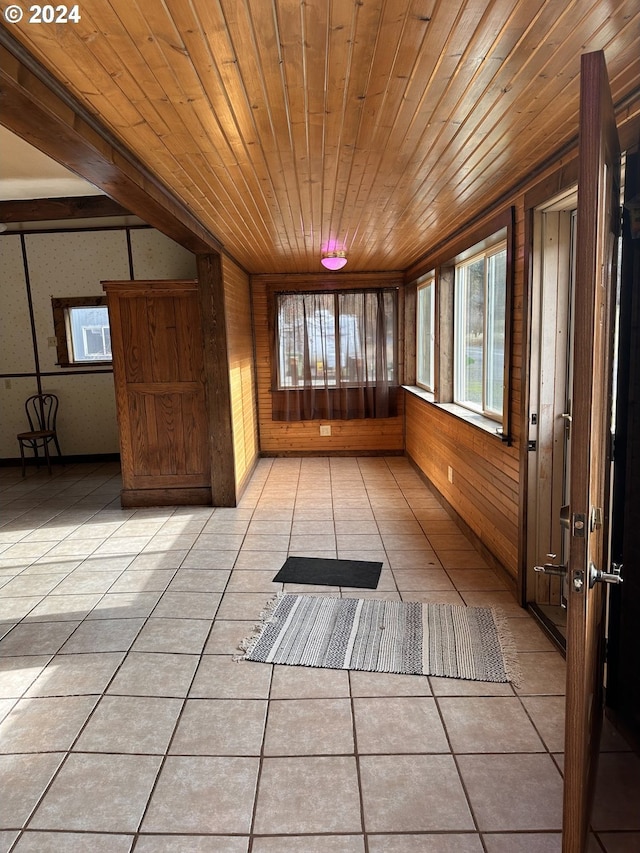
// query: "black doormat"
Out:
[326,572]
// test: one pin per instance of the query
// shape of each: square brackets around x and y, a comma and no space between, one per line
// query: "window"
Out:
[335,339]
[335,354]
[479,331]
[462,338]
[82,331]
[425,331]
[90,335]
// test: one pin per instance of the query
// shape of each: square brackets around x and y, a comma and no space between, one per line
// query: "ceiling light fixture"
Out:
[333,260]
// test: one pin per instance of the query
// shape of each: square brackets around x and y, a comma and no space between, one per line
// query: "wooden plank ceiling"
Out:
[374,126]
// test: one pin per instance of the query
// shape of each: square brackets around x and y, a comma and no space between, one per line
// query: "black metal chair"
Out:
[42,412]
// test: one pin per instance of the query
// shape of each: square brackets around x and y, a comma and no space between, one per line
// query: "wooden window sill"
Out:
[474,419]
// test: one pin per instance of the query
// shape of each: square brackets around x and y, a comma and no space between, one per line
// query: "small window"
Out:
[479,331]
[425,330]
[83,336]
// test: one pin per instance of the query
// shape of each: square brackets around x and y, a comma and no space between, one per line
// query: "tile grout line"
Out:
[370,488]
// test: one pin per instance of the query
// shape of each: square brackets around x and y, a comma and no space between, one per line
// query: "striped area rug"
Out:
[413,638]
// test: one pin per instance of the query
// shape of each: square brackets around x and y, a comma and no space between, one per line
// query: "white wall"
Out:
[157,257]
[63,264]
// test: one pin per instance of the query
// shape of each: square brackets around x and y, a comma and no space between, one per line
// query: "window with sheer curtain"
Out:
[335,355]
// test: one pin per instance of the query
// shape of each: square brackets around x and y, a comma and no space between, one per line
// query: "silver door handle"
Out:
[598,576]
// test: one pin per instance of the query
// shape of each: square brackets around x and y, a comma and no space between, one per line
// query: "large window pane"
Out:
[367,336]
[480,324]
[90,335]
[307,339]
[425,344]
[355,343]
[470,333]
[496,320]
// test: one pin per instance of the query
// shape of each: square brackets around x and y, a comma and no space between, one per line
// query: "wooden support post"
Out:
[216,365]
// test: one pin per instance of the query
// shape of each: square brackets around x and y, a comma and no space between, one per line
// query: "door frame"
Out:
[548,391]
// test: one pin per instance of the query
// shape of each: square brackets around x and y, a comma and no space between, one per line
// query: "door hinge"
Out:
[531,445]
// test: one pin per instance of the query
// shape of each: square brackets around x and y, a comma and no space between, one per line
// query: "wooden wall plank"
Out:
[484,491]
[219,438]
[241,371]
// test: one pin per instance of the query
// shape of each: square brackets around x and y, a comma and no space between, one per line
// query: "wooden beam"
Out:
[44,209]
[216,366]
[34,106]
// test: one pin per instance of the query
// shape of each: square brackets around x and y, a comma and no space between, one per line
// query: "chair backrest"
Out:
[42,411]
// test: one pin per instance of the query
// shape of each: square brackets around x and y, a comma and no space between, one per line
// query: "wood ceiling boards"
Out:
[289,127]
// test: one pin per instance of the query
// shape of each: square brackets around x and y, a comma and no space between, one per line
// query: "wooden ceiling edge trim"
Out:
[318,279]
[64,208]
[36,107]
[563,161]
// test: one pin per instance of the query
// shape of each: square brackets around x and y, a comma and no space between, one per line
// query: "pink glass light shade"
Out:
[333,260]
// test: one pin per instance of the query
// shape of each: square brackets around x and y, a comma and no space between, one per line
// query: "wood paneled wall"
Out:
[487,488]
[485,485]
[384,435]
[241,371]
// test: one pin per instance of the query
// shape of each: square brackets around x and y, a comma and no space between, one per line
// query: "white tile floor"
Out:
[127,725]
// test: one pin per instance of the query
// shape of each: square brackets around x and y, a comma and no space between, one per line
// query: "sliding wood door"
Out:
[160,392]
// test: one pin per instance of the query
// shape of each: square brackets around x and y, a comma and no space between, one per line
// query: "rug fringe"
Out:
[508,646]
[247,643]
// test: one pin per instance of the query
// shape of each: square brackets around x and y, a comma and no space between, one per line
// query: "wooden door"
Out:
[597,228]
[158,367]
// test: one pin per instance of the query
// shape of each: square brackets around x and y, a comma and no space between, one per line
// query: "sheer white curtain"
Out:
[336,355]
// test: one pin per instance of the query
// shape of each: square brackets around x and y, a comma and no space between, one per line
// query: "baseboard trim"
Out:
[273,454]
[166,497]
[74,459]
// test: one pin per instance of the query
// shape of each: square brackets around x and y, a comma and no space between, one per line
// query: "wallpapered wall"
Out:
[69,263]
